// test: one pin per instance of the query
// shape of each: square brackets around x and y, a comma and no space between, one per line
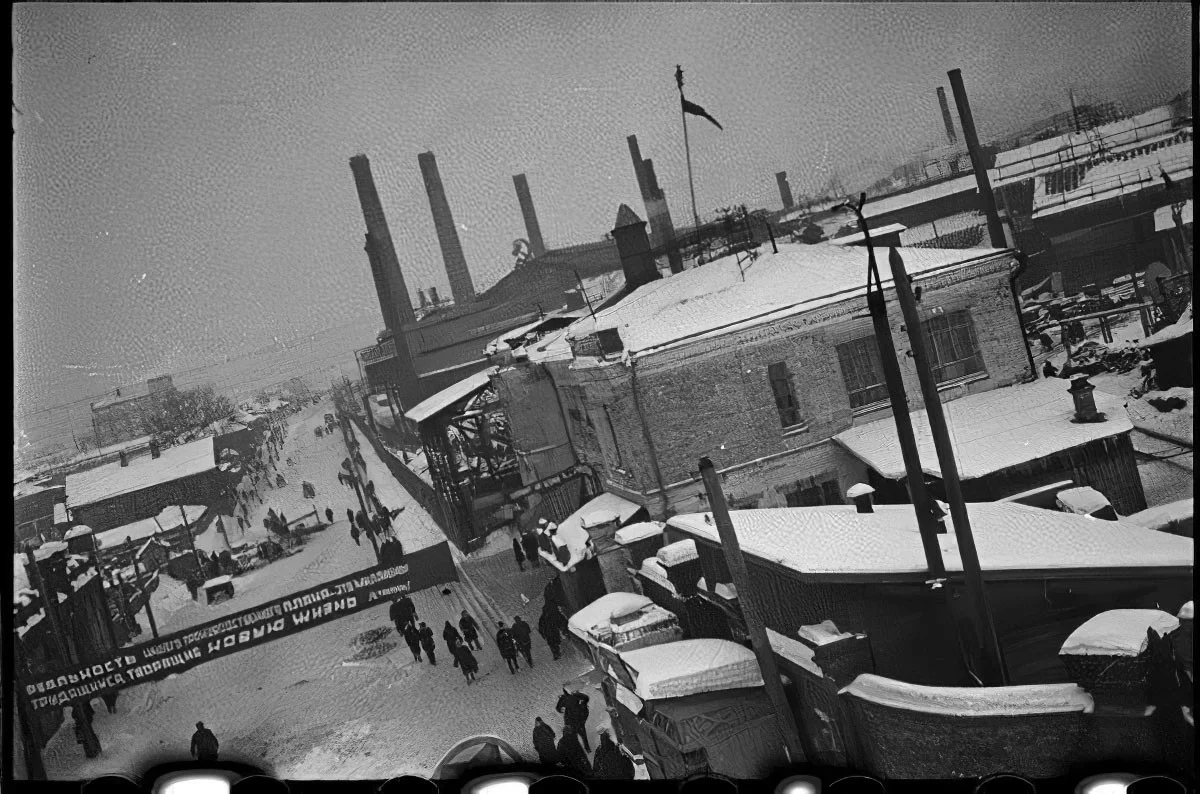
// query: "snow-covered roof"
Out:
[1187,611]
[1165,220]
[822,633]
[689,667]
[27,488]
[794,651]
[991,431]
[653,570]
[636,532]
[168,519]
[113,479]
[1006,701]
[217,581]
[677,552]
[1118,632]
[502,342]
[60,513]
[77,531]
[467,387]
[611,503]
[600,611]
[913,198]
[836,541]
[20,575]
[859,237]
[723,296]
[49,549]
[572,534]
[1119,178]
[1163,516]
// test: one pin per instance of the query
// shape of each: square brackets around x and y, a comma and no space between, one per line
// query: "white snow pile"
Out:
[1084,500]
[1182,327]
[726,590]
[1007,701]
[678,552]
[689,667]
[1187,611]
[795,651]
[653,570]
[635,532]
[1118,632]
[599,613]
[822,633]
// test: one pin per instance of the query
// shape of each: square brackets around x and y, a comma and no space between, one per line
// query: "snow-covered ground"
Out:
[301,707]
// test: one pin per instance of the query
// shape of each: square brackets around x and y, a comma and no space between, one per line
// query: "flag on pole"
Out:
[696,110]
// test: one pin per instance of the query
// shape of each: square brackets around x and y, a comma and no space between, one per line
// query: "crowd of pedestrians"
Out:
[571,749]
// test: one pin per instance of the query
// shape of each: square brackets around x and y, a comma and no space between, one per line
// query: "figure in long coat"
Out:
[521,634]
[530,544]
[451,636]
[609,762]
[508,648]
[413,639]
[574,708]
[470,631]
[427,643]
[465,660]
[572,755]
[519,554]
[543,743]
[549,632]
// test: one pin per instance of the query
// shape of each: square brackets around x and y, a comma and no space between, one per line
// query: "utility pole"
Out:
[987,200]
[994,673]
[748,599]
[915,476]
[191,540]
[66,655]
[137,577]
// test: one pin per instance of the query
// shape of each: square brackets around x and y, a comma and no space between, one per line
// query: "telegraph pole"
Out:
[137,577]
[994,673]
[748,599]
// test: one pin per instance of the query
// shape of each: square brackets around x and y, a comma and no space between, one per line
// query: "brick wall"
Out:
[713,397]
[536,423]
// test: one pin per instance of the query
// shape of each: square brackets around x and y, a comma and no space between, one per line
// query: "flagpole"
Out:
[687,147]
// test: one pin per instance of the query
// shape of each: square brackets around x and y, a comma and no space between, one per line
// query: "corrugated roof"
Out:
[467,387]
[991,431]
[837,541]
[113,479]
[715,298]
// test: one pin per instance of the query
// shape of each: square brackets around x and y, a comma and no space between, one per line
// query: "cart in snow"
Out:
[218,589]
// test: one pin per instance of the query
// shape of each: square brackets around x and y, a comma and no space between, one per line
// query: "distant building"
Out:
[125,415]
[33,512]
[112,495]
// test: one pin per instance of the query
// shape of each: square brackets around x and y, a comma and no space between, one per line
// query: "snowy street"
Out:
[318,703]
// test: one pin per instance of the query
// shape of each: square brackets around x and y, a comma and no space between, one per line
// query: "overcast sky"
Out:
[182,181]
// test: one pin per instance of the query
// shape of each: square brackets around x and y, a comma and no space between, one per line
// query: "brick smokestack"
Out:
[394,301]
[633,246]
[946,118]
[452,253]
[662,228]
[532,230]
[785,190]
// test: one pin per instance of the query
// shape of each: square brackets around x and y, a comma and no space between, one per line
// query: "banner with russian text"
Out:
[183,650]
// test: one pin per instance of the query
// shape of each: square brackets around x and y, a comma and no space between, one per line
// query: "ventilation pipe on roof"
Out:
[154,450]
[860,494]
[124,458]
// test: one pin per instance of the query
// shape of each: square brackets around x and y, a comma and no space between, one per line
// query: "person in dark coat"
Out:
[521,633]
[573,756]
[574,708]
[609,762]
[329,514]
[413,639]
[470,631]
[350,516]
[427,643]
[451,637]
[409,609]
[110,701]
[508,648]
[465,661]
[549,633]
[204,744]
[530,544]
[399,615]
[519,554]
[1049,370]
[543,743]
[354,535]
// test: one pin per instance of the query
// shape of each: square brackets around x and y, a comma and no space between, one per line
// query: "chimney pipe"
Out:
[433,296]
[860,494]
[785,190]
[154,450]
[1085,401]
[461,287]
[124,458]
[532,229]
[946,119]
[987,200]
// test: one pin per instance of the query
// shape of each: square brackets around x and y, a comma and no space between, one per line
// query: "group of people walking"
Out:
[571,750]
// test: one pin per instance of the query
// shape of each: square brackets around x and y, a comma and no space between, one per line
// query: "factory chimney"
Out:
[461,287]
[394,301]
[785,190]
[941,92]
[532,230]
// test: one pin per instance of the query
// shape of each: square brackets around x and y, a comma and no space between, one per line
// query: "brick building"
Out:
[760,365]
[124,416]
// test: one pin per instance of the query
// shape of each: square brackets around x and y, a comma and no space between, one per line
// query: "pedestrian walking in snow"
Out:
[470,631]
[350,516]
[427,643]
[609,763]
[530,544]
[508,648]
[399,615]
[329,514]
[574,708]
[549,633]
[204,744]
[521,634]
[465,661]
[543,743]
[451,637]
[573,756]
[110,701]
[519,554]
[412,638]
[354,535]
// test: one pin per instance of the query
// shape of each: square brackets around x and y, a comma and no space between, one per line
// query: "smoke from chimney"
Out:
[949,122]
